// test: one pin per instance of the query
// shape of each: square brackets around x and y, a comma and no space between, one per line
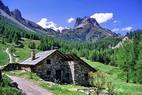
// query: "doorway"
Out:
[58,75]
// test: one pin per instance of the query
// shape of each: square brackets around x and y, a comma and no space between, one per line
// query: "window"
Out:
[86,76]
[48,61]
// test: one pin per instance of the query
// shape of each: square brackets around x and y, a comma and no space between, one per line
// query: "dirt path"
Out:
[29,87]
[10,57]
[16,60]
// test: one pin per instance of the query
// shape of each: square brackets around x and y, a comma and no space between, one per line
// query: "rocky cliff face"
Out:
[4,8]
[81,22]
[18,16]
[87,29]
[121,43]
[4,11]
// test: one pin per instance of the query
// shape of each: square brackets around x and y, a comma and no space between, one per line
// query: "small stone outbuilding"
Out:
[53,66]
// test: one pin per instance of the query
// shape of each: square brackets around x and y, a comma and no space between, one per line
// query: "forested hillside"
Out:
[127,57]
[12,33]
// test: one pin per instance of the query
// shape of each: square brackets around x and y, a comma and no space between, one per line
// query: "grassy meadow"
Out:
[121,87]
[3,55]
[24,53]
[21,53]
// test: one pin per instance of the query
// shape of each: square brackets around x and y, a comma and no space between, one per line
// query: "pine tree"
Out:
[32,45]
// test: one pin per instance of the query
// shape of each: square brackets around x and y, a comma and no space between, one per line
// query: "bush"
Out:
[98,80]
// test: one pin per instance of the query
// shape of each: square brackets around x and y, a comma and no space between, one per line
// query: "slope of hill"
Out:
[121,87]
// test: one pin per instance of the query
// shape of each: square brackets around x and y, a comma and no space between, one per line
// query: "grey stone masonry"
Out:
[58,67]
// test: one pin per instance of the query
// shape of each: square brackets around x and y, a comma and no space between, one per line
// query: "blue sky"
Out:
[119,16]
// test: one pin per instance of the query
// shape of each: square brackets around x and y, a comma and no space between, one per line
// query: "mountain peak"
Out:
[16,13]
[18,16]
[81,22]
[4,8]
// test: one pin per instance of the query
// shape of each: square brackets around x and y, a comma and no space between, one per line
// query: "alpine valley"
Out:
[86,59]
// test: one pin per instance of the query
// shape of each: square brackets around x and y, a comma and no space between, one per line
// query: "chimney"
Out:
[33,55]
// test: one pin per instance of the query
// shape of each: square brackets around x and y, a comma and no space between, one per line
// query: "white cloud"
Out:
[122,29]
[126,28]
[102,17]
[46,24]
[115,29]
[70,20]
[116,21]
[62,28]
[50,24]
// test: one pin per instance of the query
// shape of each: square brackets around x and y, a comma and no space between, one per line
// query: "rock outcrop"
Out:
[18,16]
[87,30]
[81,22]
[4,8]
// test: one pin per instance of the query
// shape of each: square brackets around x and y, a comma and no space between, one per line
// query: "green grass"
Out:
[26,41]
[72,87]
[59,90]
[26,75]
[6,88]
[24,53]
[105,68]
[121,88]
[3,55]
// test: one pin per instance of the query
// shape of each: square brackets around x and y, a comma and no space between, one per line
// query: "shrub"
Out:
[98,80]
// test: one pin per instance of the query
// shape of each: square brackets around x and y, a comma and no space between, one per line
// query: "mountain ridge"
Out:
[85,29]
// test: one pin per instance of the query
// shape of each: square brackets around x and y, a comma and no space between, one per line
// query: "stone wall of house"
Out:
[26,68]
[81,73]
[48,71]
[71,71]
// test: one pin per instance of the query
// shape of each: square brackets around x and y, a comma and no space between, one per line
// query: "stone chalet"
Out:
[53,65]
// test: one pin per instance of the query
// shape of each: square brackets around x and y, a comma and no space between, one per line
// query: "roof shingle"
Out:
[39,57]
